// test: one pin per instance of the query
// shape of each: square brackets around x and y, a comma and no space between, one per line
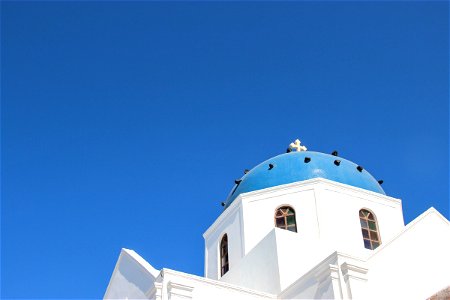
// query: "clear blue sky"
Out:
[125,124]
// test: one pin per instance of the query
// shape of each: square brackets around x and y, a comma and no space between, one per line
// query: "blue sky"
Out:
[125,124]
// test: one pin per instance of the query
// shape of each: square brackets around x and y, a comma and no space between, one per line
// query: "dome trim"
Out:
[299,166]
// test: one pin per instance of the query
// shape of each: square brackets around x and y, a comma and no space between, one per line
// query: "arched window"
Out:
[369,228]
[224,264]
[285,218]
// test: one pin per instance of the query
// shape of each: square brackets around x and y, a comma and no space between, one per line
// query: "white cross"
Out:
[295,146]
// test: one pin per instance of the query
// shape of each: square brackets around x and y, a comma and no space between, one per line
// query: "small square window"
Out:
[363,223]
[280,222]
[365,233]
[290,220]
[373,236]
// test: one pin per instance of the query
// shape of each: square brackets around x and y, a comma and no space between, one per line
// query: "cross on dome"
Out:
[295,146]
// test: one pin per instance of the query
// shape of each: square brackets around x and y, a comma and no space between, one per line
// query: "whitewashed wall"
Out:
[176,285]
[338,209]
[259,212]
[132,277]
[416,264]
[327,213]
[229,222]
[325,259]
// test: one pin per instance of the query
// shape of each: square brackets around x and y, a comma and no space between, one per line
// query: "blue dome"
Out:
[292,167]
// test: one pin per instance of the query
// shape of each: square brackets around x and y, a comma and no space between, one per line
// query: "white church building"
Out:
[305,225]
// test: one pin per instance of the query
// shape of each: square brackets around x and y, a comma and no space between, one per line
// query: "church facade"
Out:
[305,225]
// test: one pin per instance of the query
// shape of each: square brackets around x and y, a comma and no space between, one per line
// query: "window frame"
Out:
[224,260]
[284,216]
[369,242]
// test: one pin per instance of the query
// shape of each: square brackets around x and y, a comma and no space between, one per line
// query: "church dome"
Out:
[303,165]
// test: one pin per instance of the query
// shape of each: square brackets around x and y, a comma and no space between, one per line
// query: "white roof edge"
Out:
[141,261]
[325,261]
[229,210]
[435,211]
[320,180]
[410,225]
[217,283]
[334,255]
